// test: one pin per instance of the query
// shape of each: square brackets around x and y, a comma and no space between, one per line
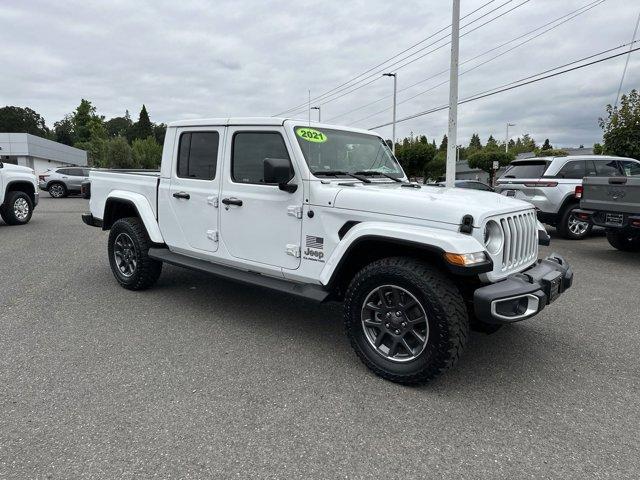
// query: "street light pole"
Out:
[453,96]
[506,138]
[319,116]
[395,92]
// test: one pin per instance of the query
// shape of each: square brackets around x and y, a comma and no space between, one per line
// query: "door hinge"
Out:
[294,211]
[213,200]
[293,250]
[212,235]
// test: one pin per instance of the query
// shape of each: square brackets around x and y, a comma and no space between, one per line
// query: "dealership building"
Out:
[38,153]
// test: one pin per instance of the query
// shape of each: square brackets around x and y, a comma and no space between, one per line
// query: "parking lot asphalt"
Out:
[199,377]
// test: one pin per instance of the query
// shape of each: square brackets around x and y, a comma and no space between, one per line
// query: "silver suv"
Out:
[61,182]
[549,183]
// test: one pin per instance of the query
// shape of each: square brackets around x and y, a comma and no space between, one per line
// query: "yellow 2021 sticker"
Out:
[311,135]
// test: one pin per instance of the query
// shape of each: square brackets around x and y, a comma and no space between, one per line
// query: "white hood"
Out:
[437,204]
[9,167]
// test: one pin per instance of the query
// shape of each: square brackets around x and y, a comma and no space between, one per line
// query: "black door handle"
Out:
[184,195]
[232,201]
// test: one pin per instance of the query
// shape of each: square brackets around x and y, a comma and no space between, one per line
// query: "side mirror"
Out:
[278,171]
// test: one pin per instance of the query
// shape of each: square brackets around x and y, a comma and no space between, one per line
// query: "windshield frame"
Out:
[397,176]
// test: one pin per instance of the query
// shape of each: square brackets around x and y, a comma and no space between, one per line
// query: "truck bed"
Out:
[132,181]
[614,194]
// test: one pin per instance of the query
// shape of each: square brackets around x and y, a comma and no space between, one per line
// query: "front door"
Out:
[194,189]
[259,221]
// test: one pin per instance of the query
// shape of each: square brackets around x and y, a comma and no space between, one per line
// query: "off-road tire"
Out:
[563,224]
[148,270]
[65,191]
[623,242]
[446,315]
[8,209]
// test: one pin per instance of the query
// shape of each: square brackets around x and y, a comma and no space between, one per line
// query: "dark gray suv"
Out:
[63,181]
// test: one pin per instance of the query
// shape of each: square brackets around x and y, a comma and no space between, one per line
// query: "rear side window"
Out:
[198,155]
[530,169]
[630,169]
[575,169]
[607,168]
[250,149]
[75,172]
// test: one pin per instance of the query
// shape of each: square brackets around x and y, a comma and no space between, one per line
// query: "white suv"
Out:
[18,195]
[549,183]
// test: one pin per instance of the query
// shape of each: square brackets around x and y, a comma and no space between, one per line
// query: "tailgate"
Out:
[616,194]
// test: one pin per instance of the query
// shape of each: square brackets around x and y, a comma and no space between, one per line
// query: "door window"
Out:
[198,155]
[573,169]
[607,168]
[75,172]
[630,169]
[250,149]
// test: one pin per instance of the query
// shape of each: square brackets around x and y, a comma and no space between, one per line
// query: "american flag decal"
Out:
[315,242]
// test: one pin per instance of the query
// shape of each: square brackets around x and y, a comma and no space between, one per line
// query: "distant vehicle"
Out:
[327,213]
[18,194]
[614,203]
[472,184]
[63,181]
[549,183]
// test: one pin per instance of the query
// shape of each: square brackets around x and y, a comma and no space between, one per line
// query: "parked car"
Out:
[550,183]
[327,213]
[614,203]
[472,184]
[63,181]
[18,193]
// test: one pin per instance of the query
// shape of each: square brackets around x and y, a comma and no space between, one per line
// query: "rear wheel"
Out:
[17,209]
[625,242]
[57,190]
[128,250]
[570,226]
[405,319]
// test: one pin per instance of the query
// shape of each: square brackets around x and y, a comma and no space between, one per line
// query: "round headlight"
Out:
[493,237]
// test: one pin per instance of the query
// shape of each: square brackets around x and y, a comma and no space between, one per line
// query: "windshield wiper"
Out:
[335,173]
[375,172]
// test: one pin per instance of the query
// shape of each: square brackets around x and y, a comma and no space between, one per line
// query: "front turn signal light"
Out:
[465,259]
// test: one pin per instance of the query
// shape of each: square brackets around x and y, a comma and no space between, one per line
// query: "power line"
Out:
[352,82]
[562,19]
[626,63]
[500,89]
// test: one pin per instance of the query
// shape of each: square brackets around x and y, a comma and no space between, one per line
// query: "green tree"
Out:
[96,146]
[22,120]
[528,143]
[598,149]
[547,145]
[492,144]
[81,121]
[119,126]
[475,143]
[63,130]
[621,127]
[551,153]
[413,156]
[443,144]
[435,169]
[485,161]
[143,128]
[160,130]
[118,154]
[146,153]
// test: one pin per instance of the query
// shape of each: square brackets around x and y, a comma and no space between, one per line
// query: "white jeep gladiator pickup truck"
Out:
[327,213]
[18,193]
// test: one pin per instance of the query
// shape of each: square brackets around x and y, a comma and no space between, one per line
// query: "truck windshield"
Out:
[528,169]
[338,152]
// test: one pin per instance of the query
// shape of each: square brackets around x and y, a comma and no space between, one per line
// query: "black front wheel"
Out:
[128,250]
[405,319]
[570,226]
[17,209]
[624,241]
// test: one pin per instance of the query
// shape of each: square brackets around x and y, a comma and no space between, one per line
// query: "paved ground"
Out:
[202,378]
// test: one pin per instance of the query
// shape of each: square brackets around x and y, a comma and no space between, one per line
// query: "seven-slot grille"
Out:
[520,239]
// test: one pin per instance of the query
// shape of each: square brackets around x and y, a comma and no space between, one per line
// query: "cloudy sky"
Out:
[196,58]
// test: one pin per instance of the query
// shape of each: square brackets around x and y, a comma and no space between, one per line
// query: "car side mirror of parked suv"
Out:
[278,171]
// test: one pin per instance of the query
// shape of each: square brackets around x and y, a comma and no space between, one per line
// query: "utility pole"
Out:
[319,115]
[453,96]
[395,92]
[506,138]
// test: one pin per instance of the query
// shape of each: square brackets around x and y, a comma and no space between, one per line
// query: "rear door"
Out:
[520,179]
[260,222]
[193,190]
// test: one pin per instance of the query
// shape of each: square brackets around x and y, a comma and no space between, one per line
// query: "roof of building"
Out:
[25,144]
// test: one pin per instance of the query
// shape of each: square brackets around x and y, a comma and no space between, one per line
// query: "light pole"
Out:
[453,96]
[395,92]
[317,108]
[506,138]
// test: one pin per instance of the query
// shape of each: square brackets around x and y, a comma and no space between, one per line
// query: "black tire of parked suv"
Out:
[58,190]
[8,210]
[146,271]
[436,294]
[564,227]
[623,241]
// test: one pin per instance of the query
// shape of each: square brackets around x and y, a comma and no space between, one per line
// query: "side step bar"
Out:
[305,290]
